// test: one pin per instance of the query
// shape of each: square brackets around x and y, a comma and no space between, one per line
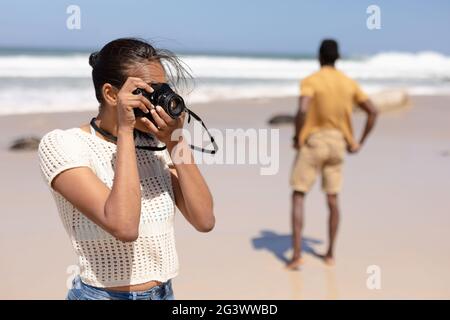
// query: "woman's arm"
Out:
[192,195]
[123,206]
[117,210]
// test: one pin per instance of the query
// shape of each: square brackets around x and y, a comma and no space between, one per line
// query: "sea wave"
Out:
[33,83]
[388,65]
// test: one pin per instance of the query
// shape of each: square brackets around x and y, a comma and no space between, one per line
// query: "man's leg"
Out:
[333,222]
[302,178]
[297,225]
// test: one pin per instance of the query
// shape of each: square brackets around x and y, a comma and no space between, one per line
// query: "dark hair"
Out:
[328,51]
[111,63]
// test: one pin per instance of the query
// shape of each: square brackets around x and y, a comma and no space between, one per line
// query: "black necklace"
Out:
[114,138]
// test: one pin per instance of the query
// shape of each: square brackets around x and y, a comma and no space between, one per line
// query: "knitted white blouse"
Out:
[105,261]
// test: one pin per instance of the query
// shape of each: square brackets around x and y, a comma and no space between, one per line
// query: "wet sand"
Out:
[395,214]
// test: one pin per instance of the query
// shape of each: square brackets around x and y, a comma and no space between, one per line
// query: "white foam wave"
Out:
[389,65]
[45,66]
[31,83]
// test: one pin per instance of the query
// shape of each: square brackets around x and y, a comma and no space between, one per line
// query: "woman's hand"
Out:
[165,124]
[127,101]
[192,195]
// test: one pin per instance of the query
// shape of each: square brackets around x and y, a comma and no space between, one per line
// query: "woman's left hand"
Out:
[192,195]
[165,125]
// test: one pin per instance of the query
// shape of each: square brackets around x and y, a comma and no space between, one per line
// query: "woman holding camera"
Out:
[117,201]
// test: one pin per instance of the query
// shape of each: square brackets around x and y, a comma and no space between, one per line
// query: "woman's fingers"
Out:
[139,104]
[133,83]
[159,121]
[163,114]
[149,125]
[181,118]
[143,85]
[142,99]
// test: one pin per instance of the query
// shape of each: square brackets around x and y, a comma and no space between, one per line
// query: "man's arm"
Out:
[372,113]
[303,105]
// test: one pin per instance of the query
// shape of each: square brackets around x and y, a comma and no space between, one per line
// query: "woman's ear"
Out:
[109,93]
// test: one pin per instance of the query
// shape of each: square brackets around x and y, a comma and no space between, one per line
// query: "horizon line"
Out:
[227,53]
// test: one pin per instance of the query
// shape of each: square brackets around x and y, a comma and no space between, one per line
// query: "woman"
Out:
[116,200]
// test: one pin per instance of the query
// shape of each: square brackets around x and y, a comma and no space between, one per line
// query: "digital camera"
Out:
[163,96]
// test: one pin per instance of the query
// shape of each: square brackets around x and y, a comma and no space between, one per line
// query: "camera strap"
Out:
[211,138]
[161,148]
[114,138]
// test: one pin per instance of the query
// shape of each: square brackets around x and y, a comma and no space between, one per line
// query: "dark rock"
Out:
[281,119]
[445,153]
[26,143]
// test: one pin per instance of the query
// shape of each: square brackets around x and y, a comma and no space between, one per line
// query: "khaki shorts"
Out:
[323,152]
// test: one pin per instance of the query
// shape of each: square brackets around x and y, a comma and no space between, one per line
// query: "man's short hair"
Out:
[329,51]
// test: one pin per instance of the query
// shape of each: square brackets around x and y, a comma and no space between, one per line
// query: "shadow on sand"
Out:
[280,244]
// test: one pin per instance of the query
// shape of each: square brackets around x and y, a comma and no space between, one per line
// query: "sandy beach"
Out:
[395,214]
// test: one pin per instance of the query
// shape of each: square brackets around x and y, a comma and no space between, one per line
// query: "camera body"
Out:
[164,96]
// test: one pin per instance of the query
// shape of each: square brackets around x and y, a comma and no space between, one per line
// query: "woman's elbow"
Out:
[125,235]
[121,229]
[207,225]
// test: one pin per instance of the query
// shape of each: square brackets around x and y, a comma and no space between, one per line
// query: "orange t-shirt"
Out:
[333,96]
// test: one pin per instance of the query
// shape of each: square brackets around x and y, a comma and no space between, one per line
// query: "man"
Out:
[323,132]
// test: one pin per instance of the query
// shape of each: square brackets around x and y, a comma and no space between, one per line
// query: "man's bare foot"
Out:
[329,260]
[295,263]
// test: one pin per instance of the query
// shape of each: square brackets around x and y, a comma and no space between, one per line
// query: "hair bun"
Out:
[93,58]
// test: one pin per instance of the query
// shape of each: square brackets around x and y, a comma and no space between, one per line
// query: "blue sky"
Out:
[237,26]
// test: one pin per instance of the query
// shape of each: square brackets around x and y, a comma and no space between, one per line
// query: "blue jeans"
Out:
[82,291]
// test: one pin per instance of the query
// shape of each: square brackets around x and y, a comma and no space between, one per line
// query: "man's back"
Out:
[323,130]
[333,96]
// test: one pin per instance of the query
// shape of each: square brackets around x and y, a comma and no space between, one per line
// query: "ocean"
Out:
[52,81]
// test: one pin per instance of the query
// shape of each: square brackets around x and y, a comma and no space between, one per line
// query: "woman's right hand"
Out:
[127,101]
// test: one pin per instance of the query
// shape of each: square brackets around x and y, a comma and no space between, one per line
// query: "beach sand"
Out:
[395,214]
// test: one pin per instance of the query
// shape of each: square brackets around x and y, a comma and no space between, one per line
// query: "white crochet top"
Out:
[105,261]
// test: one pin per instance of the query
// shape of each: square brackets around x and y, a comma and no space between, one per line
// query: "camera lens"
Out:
[171,102]
[175,106]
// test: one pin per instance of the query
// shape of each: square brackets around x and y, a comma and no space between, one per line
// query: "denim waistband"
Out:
[82,290]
